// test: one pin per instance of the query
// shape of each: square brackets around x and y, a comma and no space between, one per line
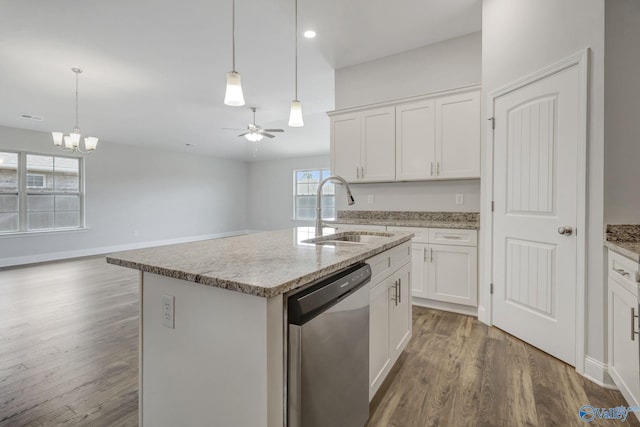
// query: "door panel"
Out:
[379,148]
[415,140]
[379,344]
[419,270]
[536,142]
[453,274]
[345,146]
[400,316]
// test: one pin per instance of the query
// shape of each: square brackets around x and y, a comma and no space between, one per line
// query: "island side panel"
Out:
[220,365]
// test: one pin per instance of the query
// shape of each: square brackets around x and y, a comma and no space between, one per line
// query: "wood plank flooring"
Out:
[68,356]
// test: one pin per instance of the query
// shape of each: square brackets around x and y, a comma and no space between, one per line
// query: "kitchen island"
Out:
[212,322]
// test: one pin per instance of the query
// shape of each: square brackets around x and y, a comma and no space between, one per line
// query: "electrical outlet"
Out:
[459,199]
[370,199]
[168,311]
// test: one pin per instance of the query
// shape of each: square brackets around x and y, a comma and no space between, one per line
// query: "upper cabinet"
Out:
[362,144]
[431,137]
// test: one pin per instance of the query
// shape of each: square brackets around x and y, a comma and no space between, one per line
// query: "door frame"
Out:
[581,60]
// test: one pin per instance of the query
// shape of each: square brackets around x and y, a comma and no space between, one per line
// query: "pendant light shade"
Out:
[233,95]
[295,116]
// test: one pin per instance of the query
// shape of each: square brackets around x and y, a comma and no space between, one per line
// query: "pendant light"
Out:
[233,95]
[72,141]
[295,116]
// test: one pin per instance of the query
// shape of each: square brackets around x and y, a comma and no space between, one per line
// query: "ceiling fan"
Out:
[255,133]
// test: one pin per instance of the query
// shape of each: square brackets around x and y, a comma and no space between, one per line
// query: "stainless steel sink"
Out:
[348,238]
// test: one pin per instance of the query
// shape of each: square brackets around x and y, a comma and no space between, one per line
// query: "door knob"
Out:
[566,231]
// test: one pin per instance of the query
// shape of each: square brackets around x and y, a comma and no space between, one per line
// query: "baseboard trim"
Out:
[62,255]
[445,306]
[598,372]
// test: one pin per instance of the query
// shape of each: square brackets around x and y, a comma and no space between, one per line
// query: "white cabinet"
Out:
[457,135]
[444,267]
[624,354]
[415,140]
[363,145]
[389,312]
[431,137]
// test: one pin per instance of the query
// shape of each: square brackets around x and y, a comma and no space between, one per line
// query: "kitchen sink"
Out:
[348,238]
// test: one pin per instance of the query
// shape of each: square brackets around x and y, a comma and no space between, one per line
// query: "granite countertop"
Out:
[263,264]
[460,220]
[624,239]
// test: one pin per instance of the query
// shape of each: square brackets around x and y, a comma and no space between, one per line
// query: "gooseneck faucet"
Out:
[350,199]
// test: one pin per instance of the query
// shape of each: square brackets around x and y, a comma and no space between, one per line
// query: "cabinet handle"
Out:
[395,293]
[634,316]
[399,291]
[621,272]
[431,168]
[425,254]
[358,173]
[451,237]
[431,253]
[438,168]
[362,172]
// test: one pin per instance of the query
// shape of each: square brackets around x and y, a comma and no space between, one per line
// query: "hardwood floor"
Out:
[457,371]
[68,356]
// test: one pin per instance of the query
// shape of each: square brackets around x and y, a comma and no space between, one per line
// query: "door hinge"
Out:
[493,122]
[493,206]
[491,289]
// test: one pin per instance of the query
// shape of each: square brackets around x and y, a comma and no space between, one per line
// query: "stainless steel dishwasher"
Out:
[328,352]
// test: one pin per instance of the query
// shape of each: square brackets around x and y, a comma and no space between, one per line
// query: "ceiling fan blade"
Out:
[243,134]
[273,130]
[232,128]
[268,135]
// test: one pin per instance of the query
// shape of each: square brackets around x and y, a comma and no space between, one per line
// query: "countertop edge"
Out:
[403,223]
[616,247]
[254,290]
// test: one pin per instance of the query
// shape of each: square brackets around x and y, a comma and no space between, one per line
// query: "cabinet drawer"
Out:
[421,234]
[389,261]
[624,271]
[455,237]
[400,255]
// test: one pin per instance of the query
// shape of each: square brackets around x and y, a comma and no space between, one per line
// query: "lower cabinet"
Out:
[624,352]
[390,323]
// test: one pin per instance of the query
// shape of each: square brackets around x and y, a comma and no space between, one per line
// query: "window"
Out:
[305,185]
[39,192]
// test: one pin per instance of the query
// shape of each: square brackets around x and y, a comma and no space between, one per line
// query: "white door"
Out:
[458,136]
[415,140]
[345,146]
[536,144]
[379,144]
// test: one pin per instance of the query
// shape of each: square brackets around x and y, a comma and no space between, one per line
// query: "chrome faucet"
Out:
[350,199]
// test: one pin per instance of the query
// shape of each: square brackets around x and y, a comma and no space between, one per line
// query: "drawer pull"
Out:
[621,272]
[452,237]
[634,316]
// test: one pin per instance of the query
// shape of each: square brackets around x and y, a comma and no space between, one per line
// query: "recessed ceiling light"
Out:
[310,34]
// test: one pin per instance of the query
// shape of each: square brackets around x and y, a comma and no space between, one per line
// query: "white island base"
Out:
[223,363]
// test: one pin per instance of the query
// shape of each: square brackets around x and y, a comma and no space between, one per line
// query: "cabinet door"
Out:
[379,346]
[415,140]
[453,274]
[458,136]
[419,270]
[400,312]
[623,350]
[379,144]
[346,146]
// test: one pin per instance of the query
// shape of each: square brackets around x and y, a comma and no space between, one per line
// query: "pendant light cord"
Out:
[77,127]
[233,31]
[296,27]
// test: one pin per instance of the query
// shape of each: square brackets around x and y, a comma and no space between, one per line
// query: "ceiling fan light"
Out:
[233,96]
[295,116]
[254,136]
[57,138]
[90,143]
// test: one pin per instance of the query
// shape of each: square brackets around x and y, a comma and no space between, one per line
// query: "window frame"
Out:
[24,191]
[321,170]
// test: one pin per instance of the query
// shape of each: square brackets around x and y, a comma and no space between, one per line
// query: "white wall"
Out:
[449,64]
[622,104]
[520,37]
[270,191]
[446,65]
[134,197]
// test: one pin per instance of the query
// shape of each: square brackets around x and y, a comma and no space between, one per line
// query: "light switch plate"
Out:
[168,311]
[370,199]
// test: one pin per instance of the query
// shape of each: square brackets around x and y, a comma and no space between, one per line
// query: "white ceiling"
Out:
[154,70]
